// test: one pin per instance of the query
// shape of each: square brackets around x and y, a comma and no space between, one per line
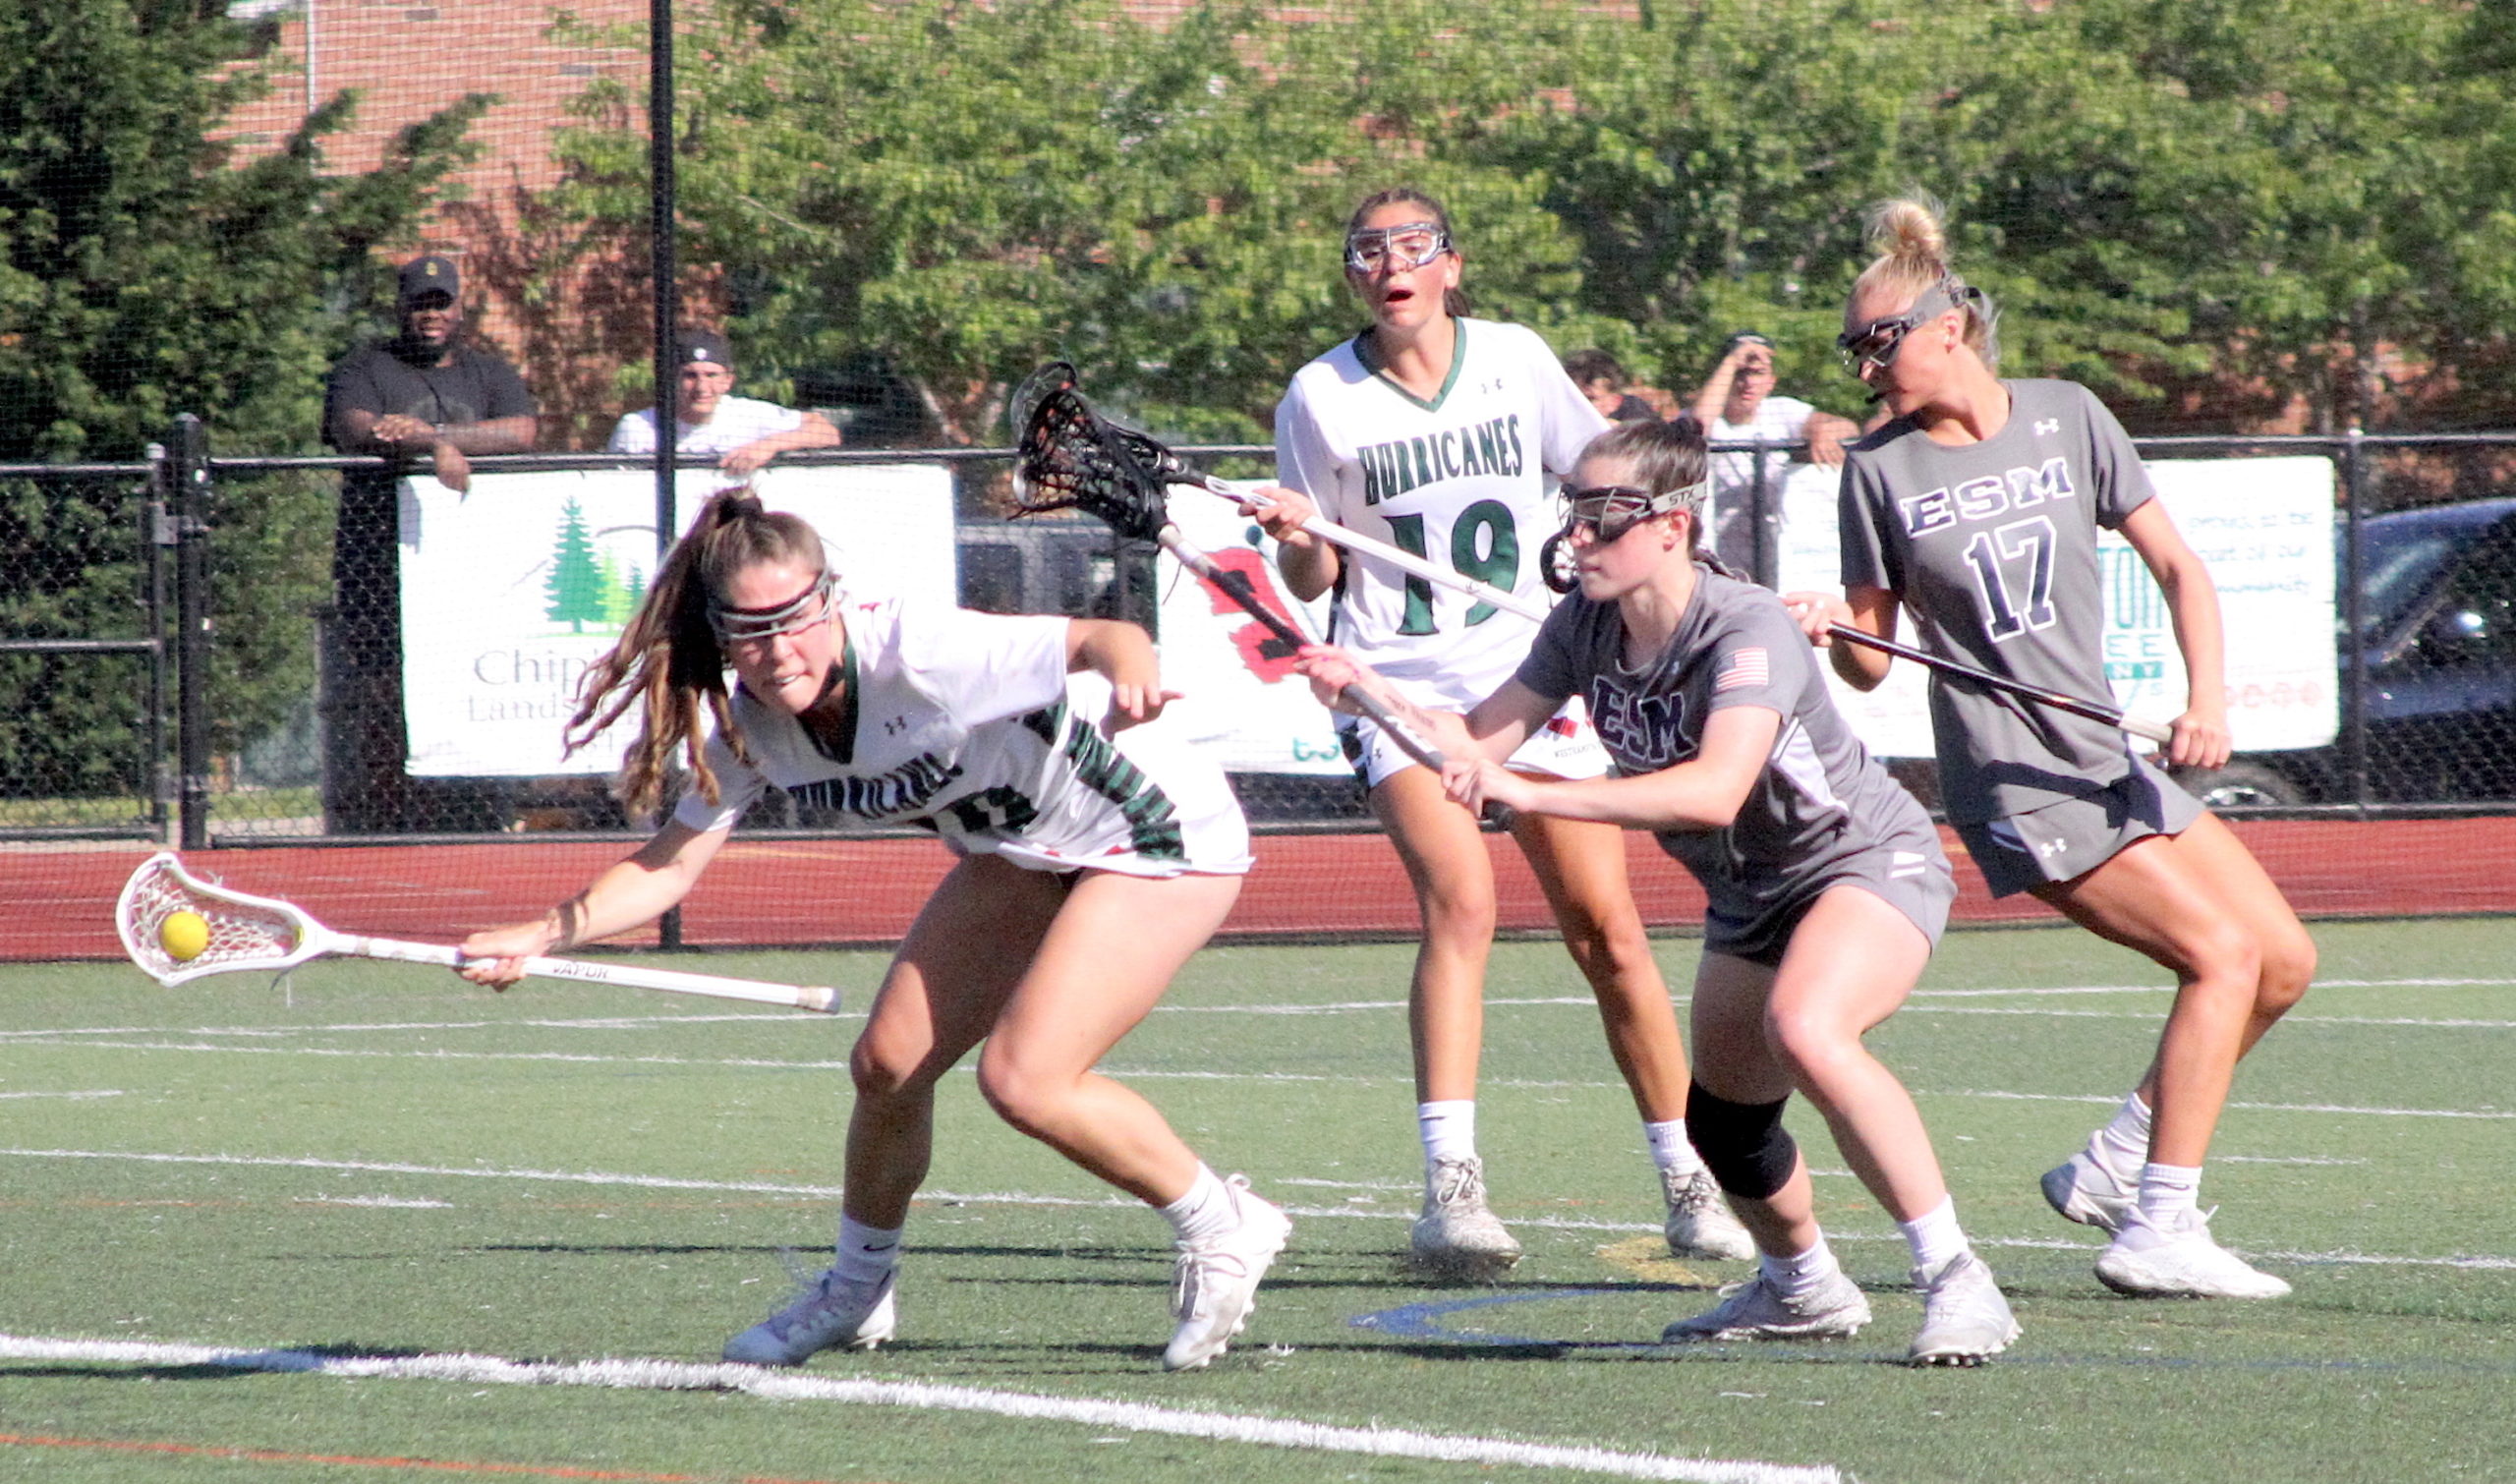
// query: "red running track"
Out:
[781,892]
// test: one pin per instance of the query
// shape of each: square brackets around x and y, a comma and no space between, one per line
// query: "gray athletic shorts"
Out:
[1913,881]
[2061,841]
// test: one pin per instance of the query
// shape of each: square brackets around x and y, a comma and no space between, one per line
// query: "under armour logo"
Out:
[2044,425]
[894,726]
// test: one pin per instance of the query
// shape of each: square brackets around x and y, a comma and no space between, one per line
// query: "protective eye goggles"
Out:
[1608,511]
[1408,244]
[1873,347]
[813,605]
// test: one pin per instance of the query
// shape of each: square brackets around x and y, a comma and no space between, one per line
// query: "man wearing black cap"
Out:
[424,393]
[743,432]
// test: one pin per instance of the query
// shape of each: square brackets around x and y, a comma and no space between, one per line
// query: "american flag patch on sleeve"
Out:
[1746,667]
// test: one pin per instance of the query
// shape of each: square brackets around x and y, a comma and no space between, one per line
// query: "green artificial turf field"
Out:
[324,1235]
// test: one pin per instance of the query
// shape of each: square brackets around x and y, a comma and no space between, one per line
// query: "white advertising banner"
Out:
[2264,528]
[1241,700]
[511,592]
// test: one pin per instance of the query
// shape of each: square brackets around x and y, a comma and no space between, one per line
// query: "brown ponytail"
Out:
[668,662]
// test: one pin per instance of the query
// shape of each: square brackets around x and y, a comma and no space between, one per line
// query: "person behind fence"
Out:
[743,432]
[1096,852]
[1825,882]
[2005,574]
[427,398]
[1602,379]
[1737,405]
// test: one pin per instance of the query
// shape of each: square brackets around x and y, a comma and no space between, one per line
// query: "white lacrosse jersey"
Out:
[968,725]
[1466,479]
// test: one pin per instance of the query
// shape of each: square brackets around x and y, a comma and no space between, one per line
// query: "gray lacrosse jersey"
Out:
[1821,800]
[1992,548]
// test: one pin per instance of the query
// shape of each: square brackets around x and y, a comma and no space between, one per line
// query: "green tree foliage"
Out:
[971,189]
[144,272]
[2253,204]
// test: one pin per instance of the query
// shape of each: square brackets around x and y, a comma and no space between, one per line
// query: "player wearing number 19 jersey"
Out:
[1445,436]
[1467,478]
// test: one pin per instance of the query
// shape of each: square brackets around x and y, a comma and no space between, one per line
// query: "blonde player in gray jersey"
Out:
[1093,861]
[1975,508]
[1826,884]
[1446,434]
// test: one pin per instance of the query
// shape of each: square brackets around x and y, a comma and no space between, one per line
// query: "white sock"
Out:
[865,1252]
[1670,1149]
[2122,1146]
[1207,1210]
[1449,1129]
[1801,1273]
[1934,1235]
[2170,1195]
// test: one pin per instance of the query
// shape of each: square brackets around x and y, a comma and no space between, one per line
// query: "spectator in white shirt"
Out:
[1736,406]
[743,432]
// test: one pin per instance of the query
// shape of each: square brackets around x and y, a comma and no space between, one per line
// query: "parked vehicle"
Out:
[2438,638]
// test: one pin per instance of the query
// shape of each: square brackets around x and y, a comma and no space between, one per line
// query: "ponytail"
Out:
[669,663]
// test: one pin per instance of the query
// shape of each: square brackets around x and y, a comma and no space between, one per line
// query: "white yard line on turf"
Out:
[112,1092]
[1018,1198]
[795,1385]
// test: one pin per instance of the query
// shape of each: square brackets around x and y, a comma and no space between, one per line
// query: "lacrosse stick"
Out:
[1069,459]
[1168,469]
[2095,710]
[247,932]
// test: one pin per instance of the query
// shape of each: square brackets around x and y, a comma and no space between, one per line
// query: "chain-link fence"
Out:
[301,728]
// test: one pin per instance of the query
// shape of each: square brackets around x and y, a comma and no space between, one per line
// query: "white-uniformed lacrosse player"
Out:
[1097,854]
[1975,508]
[1446,435]
[1826,884]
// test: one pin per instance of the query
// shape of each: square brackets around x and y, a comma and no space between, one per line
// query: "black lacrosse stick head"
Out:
[1066,457]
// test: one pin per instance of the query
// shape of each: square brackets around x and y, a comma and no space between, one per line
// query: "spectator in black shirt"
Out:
[424,392]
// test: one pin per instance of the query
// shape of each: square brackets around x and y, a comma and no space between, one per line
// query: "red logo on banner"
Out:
[1268,658]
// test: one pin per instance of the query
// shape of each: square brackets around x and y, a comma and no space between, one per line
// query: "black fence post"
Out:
[190,476]
[157,534]
[2353,618]
[1765,522]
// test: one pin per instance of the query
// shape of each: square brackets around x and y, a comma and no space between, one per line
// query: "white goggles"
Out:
[1408,244]
[813,605]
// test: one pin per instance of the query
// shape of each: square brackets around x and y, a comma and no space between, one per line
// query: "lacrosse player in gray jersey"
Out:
[1976,507]
[1826,882]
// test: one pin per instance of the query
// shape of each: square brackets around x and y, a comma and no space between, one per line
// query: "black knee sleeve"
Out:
[1743,1144]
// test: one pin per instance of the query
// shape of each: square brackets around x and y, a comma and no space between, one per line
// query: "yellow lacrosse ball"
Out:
[185,935]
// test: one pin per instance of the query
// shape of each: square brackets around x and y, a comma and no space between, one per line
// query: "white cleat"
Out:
[2081,1190]
[1457,1236]
[834,1312]
[2147,1262]
[1965,1320]
[1700,1223]
[1214,1284]
[1756,1310]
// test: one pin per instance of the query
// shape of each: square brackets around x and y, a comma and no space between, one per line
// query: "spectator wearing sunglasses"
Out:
[1737,405]
[1976,507]
[1825,882]
[1446,435]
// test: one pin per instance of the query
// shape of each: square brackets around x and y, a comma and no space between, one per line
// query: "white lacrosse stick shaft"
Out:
[1355,540]
[265,933]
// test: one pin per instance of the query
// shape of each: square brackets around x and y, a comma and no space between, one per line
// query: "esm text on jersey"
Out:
[1392,467]
[1982,499]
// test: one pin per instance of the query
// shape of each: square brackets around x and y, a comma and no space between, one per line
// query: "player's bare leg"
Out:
[2199,906]
[1582,869]
[1444,855]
